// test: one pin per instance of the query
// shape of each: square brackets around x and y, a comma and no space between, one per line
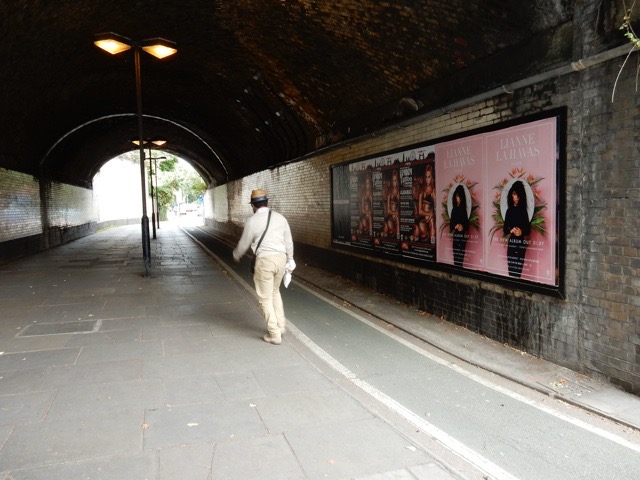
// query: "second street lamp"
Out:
[154,194]
[159,48]
[155,170]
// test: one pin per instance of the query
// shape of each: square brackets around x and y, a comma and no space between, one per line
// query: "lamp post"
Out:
[154,202]
[153,205]
[155,209]
[155,169]
[159,48]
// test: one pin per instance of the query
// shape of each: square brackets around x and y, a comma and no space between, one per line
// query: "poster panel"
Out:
[387,209]
[418,224]
[461,206]
[361,204]
[341,204]
[521,179]
[486,202]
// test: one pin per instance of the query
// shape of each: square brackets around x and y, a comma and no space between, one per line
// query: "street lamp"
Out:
[159,48]
[155,172]
[154,203]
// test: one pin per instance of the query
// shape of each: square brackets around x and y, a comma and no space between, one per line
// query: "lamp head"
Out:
[159,47]
[112,42]
[156,141]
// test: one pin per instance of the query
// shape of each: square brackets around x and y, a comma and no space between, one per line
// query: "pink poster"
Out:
[486,202]
[519,224]
[459,206]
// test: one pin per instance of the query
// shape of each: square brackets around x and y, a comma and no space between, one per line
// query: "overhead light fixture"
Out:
[158,142]
[112,43]
[159,47]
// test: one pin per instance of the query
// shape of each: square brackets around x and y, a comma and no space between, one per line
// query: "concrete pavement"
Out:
[105,374]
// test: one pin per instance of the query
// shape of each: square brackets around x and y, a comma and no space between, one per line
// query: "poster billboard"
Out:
[461,206]
[521,171]
[483,203]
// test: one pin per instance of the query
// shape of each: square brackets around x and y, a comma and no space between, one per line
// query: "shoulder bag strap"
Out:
[263,233]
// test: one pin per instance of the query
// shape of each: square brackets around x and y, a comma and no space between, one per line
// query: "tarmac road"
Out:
[500,427]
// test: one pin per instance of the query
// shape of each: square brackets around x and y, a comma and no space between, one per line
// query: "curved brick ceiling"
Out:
[255,83]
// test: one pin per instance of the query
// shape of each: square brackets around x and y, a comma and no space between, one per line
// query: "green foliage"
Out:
[165,198]
[178,182]
[168,165]
[192,188]
[635,45]
[628,29]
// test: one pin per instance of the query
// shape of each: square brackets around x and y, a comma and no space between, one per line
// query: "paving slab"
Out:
[205,422]
[139,466]
[79,375]
[272,458]
[38,359]
[42,443]
[186,461]
[25,407]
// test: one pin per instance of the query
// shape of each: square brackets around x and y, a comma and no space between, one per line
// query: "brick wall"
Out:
[69,206]
[19,205]
[35,215]
[610,191]
[594,329]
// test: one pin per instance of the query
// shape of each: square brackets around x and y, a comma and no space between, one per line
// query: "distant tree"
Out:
[176,178]
[165,198]
[193,187]
[168,165]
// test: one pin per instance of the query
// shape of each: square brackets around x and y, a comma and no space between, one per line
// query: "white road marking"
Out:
[454,445]
[516,396]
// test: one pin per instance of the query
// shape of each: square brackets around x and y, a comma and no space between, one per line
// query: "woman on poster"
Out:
[459,225]
[425,221]
[392,206]
[366,205]
[517,226]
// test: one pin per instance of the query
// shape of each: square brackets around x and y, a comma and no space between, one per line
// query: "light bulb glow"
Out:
[159,51]
[112,46]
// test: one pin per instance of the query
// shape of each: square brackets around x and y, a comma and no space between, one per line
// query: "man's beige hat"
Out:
[258,195]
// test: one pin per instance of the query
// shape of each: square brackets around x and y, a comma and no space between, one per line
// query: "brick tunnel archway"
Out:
[79,153]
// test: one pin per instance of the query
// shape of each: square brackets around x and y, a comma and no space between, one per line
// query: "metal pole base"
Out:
[146,246]
[153,222]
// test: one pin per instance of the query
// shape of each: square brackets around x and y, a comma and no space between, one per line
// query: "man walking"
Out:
[269,236]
